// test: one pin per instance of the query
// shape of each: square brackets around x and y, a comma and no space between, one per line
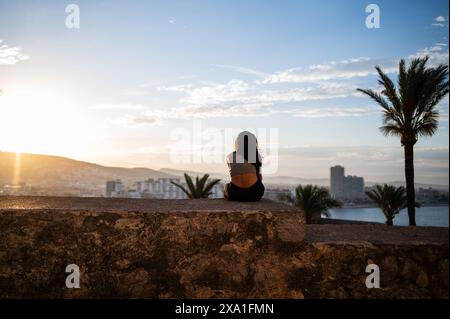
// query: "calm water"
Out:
[425,216]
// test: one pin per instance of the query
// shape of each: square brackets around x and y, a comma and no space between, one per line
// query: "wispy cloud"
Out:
[278,93]
[157,117]
[243,70]
[440,21]
[438,54]
[353,68]
[137,92]
[238,92]
[344,69]
[175,88]
[333,112]
[146,88]
[172,20]
[117,106]
[143,119]
[11,55]
[239,110]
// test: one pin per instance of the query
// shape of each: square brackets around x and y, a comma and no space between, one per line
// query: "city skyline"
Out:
[115,100]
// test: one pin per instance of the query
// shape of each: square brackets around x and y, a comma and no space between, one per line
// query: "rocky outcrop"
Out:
[207,249]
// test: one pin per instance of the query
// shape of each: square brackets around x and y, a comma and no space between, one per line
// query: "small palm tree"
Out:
[313,200]
[201,189]
[409,111]
[390,199]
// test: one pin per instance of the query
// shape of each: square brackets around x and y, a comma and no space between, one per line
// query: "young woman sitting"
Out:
[245,170]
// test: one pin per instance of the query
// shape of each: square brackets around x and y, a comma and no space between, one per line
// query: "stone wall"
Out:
[207,249]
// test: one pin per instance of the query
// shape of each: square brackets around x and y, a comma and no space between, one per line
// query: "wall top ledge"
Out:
[288,221]
[138,205]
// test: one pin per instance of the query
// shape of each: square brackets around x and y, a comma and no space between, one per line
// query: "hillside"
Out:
[59,172]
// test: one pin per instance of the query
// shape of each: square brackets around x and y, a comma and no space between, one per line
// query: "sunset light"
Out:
[38,121]
[223,159]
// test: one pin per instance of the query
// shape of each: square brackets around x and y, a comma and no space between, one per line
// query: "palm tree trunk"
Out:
[409,176]
[313,218]
[308,218]
[389,222]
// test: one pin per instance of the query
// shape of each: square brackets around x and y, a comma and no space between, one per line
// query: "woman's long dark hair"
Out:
[246,146]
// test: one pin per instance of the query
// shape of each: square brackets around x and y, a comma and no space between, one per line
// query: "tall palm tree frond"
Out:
[201,188]
[314,200]
[390,200]
[209,186]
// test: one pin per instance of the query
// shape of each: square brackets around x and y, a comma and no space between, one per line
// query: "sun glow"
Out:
[16,173]
[39,122]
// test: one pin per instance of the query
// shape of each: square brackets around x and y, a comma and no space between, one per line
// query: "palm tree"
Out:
[409,110]
[390,199]
[201,189]
[313,200]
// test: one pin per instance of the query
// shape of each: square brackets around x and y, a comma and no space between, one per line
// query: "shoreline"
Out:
[373,206]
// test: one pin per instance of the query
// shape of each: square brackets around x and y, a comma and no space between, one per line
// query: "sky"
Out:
[170,83]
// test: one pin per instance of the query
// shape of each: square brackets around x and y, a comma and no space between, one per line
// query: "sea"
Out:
[425,216]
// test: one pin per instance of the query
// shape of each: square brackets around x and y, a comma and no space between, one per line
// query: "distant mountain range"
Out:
[55,172]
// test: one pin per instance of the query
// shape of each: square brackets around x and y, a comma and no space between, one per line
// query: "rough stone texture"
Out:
[137,205]
[207,249]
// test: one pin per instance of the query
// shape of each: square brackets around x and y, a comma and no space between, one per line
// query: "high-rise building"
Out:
[337,175]
[353,188]
[114,188]
[346,188]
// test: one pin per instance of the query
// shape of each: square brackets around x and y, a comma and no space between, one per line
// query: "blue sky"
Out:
[136,71]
